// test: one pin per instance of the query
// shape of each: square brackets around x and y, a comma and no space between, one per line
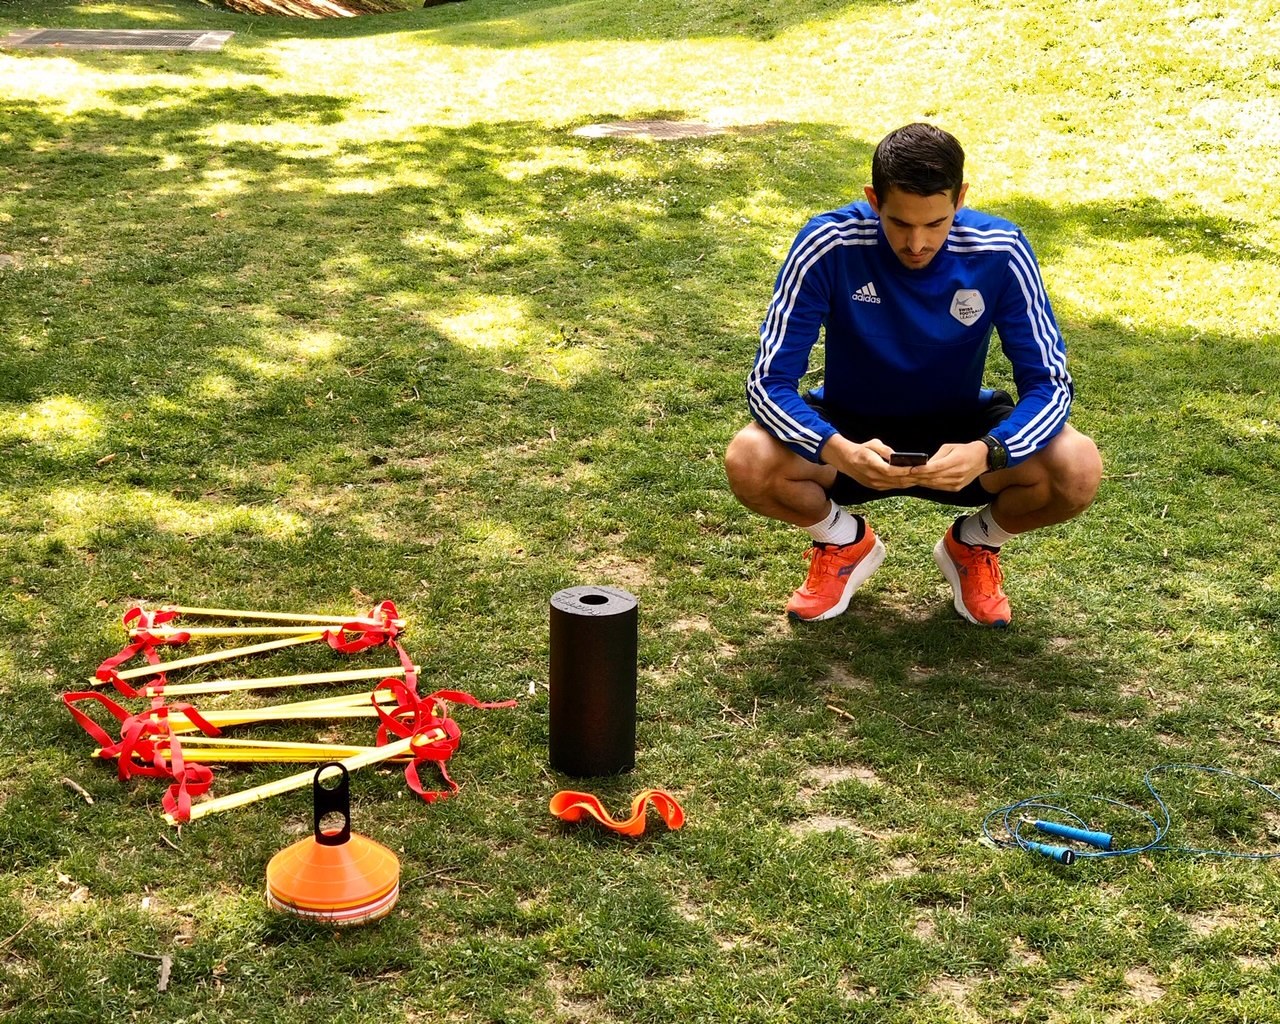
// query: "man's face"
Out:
[916,226]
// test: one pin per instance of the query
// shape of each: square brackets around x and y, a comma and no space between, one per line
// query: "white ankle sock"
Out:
[982,528]
[838,527]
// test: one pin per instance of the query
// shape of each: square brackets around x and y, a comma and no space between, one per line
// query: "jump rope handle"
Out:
[1061,854]
[1098,840]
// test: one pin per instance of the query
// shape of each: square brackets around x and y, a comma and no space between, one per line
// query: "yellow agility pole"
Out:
[179,722]
[356,705]
[213,755]
[212,656]
[269,682]
[237,613]
[208,632]
[270,789]
[346,705]
[206,749]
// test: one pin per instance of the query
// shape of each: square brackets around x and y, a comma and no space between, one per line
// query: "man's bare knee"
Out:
[1075,472]
[750,462]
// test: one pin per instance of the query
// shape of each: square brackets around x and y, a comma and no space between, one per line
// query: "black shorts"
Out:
[915,434]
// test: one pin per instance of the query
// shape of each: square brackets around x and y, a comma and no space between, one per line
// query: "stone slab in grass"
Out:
[657,130]
[116,39]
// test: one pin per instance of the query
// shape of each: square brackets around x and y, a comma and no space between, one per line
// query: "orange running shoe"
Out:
[974,574]
[835,572]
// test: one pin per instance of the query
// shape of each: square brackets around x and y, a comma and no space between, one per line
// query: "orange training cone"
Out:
[335,877]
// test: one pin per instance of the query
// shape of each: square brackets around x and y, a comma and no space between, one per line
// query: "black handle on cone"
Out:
[593,681]
[335,800]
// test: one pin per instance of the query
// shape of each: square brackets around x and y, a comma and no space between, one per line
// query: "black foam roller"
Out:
[593,681]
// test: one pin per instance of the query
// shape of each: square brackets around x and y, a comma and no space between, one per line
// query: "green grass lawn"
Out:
[347,311]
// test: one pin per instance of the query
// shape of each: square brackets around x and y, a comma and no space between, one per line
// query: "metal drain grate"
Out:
[118,39]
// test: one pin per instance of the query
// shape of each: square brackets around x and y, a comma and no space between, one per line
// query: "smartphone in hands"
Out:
[908,458]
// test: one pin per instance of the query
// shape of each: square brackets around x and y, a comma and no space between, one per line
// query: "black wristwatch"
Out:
[997,454]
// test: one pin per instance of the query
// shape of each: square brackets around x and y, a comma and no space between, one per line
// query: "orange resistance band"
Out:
[573,806]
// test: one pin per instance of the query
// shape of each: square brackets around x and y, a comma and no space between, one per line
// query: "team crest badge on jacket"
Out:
[967,305]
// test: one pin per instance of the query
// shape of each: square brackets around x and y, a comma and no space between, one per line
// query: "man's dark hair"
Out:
[920,159]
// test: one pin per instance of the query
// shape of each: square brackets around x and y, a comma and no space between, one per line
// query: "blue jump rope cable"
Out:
[1090,843]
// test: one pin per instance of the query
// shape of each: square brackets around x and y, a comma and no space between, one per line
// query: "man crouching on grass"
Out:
[908,286]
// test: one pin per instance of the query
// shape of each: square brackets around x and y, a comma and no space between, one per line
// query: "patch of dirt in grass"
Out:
[864,775]
[725,651]
[823,823]
[909,606]
[609,570]
[818,823]
[901,866]
[825,776]
[955,992]
[840,678]
[1151,690]
[697,624]
[1253,962]
[423,465]
[1144,987]
[1202,925]
[852,989]
[574,1007]
[925,928]
[687,909]
[728,944]
[1023,955]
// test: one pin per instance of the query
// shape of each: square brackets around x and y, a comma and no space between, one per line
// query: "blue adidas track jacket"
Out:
[901,342]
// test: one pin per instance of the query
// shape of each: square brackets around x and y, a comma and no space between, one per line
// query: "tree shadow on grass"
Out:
[387,252]
[246,367]
[1178,229]
[466,370]
[490,23]
[237,55]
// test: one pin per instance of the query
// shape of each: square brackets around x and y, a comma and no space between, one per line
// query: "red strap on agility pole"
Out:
[139,752]
[136,749]
[363,635]
[144,642]
[574,806]
[417,717]
[95,731]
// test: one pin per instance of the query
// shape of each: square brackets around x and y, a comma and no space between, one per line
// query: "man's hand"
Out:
[952,468]
[868,463]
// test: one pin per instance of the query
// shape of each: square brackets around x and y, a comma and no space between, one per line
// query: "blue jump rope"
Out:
[1090,843]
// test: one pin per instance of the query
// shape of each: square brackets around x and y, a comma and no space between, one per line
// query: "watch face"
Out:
[997,455]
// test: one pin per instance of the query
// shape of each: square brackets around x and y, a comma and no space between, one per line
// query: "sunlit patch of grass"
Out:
[75,515]
[63,423]
[553,162]
[488,322]
[493,540]
[215,387]
[154,13]
[256,365]
[303,345]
